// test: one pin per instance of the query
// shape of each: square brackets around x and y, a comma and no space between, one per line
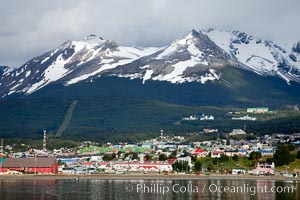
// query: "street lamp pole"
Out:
[1,162]
[34,163]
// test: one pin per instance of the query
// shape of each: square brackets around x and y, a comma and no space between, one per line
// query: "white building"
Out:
[190,118]
[188,159]
[136,166]
[96,159]
[244,118]
[206,117]
[216,153]
[237,132]
[265,164]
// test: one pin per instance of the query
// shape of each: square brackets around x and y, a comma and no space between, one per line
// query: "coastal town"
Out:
[163,155]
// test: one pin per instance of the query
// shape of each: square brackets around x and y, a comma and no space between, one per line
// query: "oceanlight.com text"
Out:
[211,188]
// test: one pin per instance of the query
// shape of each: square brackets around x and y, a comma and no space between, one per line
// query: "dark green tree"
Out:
[135,156]
[194,158]
[185,153]
[210,167]
[254,155]
[197,166]
[270,159]
[108,157]
[291,147]
[173,154]
[223,158]
[215,161]
[283,156]
[148,157]
[235,157]
[162,157]
[181,166]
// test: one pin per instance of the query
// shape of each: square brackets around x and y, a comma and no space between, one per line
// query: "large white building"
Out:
[237,132]
[138,167]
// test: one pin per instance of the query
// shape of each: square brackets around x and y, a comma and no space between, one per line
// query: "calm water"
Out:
[148,189]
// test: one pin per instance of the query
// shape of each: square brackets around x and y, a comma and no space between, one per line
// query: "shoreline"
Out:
[147,177]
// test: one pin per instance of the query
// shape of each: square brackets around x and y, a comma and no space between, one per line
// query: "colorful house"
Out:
[216,153]
[200,152]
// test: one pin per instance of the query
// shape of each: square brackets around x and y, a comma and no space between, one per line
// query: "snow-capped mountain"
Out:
[261,56]
[193,57]
[198,56]
[70,63]
[5,69]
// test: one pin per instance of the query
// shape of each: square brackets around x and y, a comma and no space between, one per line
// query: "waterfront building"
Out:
[31,165]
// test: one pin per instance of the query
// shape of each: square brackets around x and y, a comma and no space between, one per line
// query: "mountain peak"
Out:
[92,37]
[195,32]
[92,41]
[296,48]
[191,37]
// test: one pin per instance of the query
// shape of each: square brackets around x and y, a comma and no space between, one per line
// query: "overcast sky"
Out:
[29,28]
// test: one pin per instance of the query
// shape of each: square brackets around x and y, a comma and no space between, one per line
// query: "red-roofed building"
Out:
[200,152]
[31,165]
[216,153]
[147,168]
[136,166]
[87,163]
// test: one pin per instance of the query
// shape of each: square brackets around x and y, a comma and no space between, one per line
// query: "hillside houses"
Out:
[201,118]
[155,155]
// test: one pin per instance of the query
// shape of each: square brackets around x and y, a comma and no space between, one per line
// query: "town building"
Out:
[236,132]
[216,153]
[257,110]
[265,164]
[244,118]
[31,165]
[200,152]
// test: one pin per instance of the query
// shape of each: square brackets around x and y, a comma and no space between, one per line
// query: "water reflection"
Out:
[146,189]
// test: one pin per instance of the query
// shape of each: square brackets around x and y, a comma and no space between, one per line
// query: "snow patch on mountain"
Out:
[45,60]
[221,38]
[167,51]
[147,75]
[194,50]
[4,70]
[102,68]
[176,75]
[246,52]
[211,76]
[57,69]
[54,72]
[130,76]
